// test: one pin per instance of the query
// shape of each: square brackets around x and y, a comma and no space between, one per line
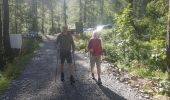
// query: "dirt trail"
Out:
[37,82]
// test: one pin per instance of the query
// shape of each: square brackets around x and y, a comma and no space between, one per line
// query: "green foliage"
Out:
[86,35]
[158,54]
[156,18]
[154,25]
[106,34]
[29,45]
[109,51]
[144,72]
[12,70]
[124,38]
[4,83]
[154,12]
[81,44]
[165,86]
[140,40]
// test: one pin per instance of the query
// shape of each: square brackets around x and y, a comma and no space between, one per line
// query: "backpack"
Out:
[95,44]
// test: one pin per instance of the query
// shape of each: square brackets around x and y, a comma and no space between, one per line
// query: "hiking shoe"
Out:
[72,79]
[92,76]
[99,81]
[62,77]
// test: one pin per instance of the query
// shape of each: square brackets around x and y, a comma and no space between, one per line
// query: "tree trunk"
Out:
[16,15]
[80,12]
[168,43]
[43,15]
[34,14]
[1,45]
[85,3]
[20,17]
[6,39]
[65,14]
[52,18]
[102,6]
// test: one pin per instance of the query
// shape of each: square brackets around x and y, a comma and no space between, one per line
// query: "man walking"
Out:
[66,43]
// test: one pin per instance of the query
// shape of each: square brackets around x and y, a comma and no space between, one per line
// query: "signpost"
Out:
[79,27]
[16,41]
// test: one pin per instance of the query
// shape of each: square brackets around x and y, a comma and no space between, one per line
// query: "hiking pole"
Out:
[57,63]
[74,63]
[73,59]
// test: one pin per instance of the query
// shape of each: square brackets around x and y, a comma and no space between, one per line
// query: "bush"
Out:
[86,35]
[165,87]
[29,45]
[80,44]
[4,83]
[110,52]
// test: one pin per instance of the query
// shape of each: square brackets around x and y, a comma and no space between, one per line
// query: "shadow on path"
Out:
[109,93]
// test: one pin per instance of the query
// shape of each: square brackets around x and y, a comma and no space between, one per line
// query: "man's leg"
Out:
[62,72]
[70,67]
[62,58]
[62,68]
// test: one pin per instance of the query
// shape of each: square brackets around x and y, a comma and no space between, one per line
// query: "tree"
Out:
[16,15]
[168,43]
[85,7]
[65,13]
[34,14]
[42,17]
[80,16]
[101,9]
[6,39]
[52,16]
[1,45]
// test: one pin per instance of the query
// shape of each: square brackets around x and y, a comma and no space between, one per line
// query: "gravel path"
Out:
[37,82]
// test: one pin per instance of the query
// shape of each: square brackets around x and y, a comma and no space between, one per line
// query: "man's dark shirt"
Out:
[66,42]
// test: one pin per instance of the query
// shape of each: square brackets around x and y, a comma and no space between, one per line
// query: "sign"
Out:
[16,41]
[79,27]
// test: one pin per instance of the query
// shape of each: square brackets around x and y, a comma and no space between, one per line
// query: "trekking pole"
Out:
[73,59]
[74,63]
[57,63]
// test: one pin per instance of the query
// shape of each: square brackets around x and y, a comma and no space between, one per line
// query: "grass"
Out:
[12,70]
[151,74]
[15,68]
[146,73]
[4,83]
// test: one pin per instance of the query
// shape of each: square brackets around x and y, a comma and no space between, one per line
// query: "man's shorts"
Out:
[95,60]
[65,56]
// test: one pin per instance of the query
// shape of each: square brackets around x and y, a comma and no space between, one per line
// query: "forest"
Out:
[138,40]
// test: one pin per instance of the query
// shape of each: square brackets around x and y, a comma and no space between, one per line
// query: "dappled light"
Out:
[84,49]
